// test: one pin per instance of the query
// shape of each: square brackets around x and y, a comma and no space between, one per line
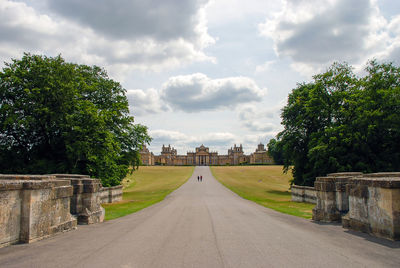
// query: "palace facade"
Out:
[204,157]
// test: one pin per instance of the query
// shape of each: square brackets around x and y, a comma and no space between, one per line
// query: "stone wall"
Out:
[36,206]
[111,194]
[332,198]
[10,212]
[86,200]
[33,207]
[303,194]
[374,205]
[364,202]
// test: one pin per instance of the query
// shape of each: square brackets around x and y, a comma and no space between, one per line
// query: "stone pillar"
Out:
[10,211]
[332,198]
[374,205]
[45,210]
[86,200]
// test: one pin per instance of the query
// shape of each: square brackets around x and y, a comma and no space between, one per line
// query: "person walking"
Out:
[198,178]
[201,178]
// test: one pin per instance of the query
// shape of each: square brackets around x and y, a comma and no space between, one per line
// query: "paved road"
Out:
[205,225]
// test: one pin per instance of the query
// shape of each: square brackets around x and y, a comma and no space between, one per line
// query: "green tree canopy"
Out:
[275,150]
[59,117]
[340,122]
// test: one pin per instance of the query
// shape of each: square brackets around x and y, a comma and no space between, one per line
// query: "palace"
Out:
[204,157]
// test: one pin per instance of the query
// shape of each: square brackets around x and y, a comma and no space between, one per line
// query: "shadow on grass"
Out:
[281,193]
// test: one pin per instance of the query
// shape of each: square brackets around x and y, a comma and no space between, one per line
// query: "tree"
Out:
[59,117]
[340,122]
[275,150]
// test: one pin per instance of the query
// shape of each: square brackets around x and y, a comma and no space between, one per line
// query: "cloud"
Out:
[316,33]
[264,67]
[226,11]
[143,102]
[197,92]
[193,93]
[259,126]
[122,19]
[251,140]
[124,35]
[167,136]
[22,27]
[260,119]
[392,53]
[217,139]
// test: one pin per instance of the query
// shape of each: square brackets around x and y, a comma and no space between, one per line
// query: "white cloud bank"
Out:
[261,120]
[316,33]
[143,102]
[197,92]
[125,34]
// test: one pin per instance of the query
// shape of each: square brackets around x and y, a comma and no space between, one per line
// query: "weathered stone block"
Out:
[10,214]
[111,194]
[115,194]
[332,196]
[303,194]
[374,205]
[33,207]
[86,200]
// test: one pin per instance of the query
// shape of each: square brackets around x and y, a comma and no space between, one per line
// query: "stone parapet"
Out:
[332,198]
[33,207]
[374,205]
[86,199]
[364,202]
[303,194]
[111,194]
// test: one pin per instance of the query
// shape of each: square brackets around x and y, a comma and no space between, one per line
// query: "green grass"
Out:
[145,187]
[265,185]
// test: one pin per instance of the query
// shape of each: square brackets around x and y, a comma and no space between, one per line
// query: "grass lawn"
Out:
[147,186]
[265,185]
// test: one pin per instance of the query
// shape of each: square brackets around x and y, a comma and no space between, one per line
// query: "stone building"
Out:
[202,156]
[260,156]
[147,157]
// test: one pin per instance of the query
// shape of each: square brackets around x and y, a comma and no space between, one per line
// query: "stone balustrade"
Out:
[33,207]
[332,199]
[111,194]
[364,202]
[303,194]
[86,200]
[374,205]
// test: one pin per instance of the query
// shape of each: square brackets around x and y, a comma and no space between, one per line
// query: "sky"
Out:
[214,72]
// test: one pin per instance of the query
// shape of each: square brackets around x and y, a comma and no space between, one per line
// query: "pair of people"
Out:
[199,178]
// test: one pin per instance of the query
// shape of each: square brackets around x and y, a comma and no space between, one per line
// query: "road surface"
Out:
[203,224]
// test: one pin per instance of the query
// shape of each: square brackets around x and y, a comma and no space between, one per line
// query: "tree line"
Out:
[341,122]
[60,117]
